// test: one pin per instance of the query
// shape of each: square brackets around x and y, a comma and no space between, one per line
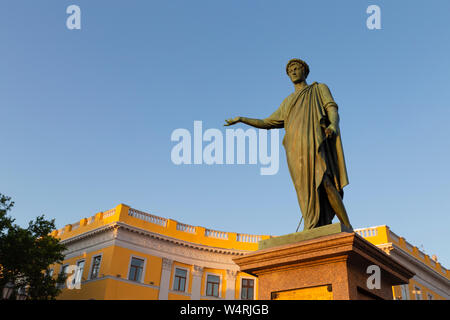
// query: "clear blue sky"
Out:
[86,115]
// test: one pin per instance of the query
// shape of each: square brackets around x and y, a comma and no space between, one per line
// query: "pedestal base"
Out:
[331,267]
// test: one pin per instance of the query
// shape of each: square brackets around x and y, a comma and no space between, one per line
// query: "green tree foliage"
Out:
[27,253]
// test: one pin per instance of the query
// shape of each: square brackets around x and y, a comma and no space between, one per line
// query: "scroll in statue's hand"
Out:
[330,131]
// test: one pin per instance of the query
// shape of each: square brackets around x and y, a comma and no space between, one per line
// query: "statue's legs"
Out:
[336,201]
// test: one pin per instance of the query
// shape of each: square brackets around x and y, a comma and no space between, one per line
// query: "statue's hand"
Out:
[232,121]
[330,131]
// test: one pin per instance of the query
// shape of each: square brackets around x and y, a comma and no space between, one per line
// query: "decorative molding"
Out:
[89,234]
[123,235]
[386,249]
[231,274]
[94,242]
[181,251]
[117,226]
[197,271]
[167,264]
[115,230]
[183,243]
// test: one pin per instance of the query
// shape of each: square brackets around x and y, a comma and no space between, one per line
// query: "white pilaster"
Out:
[230,280]
[197,273]
[165,279]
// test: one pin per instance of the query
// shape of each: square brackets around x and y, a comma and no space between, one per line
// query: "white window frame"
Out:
[62,267]
[143,268]
[417,294]
[92,265]
[187,278]
[404,290]
[77,270]
[254,287]
[220,284]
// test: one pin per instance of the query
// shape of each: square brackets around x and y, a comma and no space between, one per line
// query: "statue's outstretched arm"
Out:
[257,123]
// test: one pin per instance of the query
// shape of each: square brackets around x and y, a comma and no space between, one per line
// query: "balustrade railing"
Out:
[91,219]
[367,232]
[216,234]
[75,226]
[147,217]
[248,238]
[109,213]
[210,233]
[185,227]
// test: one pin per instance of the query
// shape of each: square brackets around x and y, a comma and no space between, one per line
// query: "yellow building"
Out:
[124,253]
[431,279]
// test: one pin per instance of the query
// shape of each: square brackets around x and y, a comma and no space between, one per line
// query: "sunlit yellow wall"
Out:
[174,296]
[104,265]
[381,235]
[91,290]
[424,290]
[122,257]
[397,292]
[385,235]
[121,290]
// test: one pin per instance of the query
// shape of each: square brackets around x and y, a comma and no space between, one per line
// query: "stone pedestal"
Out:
[337,266]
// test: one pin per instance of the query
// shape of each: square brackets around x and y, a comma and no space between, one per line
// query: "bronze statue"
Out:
[313,147]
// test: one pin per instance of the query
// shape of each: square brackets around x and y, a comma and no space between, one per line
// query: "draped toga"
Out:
[309,154]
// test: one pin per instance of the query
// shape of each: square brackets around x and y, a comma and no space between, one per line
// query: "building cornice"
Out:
[89,234]
[115,226]
[397,252]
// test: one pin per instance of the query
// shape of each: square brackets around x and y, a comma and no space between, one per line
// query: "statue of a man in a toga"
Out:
[313,147]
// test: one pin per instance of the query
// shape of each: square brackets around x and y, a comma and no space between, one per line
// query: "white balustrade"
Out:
[186,227]
[75,226]
[248,238]
[367,232]
[216,234]
[109,213]
[147,217]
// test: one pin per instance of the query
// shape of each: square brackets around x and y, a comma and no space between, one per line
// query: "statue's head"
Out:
[297,70]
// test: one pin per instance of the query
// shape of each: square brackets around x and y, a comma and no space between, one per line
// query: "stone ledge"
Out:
[327,230]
